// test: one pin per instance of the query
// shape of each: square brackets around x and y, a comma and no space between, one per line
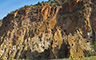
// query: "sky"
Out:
[7,6]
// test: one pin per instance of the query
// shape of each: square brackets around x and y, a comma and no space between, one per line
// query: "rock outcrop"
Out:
[47,32]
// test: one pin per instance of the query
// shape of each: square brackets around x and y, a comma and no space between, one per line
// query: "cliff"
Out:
[45,31]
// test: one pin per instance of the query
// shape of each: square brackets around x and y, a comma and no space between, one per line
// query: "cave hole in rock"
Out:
[90,36]
[72,44]
[52,31]
[27,40]
[87,41]
[62,32]
[43,47]
[65,31]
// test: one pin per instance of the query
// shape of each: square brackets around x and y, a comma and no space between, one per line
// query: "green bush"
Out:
[25,6]
[38,3]
[43,2]
[52,1]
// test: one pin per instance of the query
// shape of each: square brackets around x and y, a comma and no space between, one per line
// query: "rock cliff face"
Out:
[48,32]
[93,21]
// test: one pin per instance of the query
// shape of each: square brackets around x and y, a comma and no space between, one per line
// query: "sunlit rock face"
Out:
[47,32]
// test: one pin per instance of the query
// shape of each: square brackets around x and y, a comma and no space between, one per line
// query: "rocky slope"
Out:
[46,31]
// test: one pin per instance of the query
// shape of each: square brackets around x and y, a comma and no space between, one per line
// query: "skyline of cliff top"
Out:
[7,6]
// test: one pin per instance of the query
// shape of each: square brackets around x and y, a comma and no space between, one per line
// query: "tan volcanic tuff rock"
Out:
[43,31]
[78,45]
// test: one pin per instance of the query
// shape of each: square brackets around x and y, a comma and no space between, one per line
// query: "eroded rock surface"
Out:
[47,32]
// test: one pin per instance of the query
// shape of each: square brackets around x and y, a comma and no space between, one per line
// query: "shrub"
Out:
[25,6]
[38,3]
[43,2]
[52,1]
